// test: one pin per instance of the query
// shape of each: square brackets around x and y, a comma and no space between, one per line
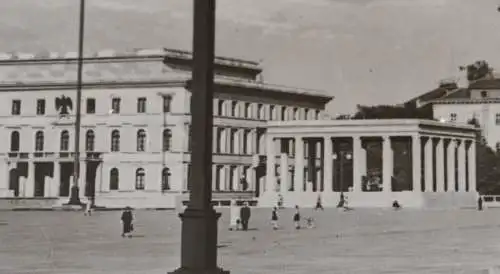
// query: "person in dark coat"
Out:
[274,218]
[245,216]
[319,204]
[480,203]
[127,219]
[296,217]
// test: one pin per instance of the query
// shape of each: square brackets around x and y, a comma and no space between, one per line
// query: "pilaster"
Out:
[429,165]
[472,166]
[387,164]
[451,165]
[358,164]
[283,172]
[440,168]
[328,164]
[461,166]
[416,153]
[299,165]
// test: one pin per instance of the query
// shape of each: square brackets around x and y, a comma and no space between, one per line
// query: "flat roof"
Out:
[371,127]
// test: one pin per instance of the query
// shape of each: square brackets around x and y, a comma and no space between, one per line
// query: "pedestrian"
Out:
[296,217]
[274,218]
[280,201]
[319,204]
[245,216]
[396,205]
[88,208]
[480,203]
[234,212]
[127,220]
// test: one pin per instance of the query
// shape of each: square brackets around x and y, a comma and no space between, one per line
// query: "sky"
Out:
[359,51]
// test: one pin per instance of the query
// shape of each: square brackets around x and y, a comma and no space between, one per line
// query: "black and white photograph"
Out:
[249,136]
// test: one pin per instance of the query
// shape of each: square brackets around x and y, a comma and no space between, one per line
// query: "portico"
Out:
[420,163]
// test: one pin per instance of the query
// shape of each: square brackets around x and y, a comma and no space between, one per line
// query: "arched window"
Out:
[165,179]
[167,139]
[115,140]
[64,142]
[141,140]
[140,177]
[39,141]
[114,178]
[14,141]
[89,140]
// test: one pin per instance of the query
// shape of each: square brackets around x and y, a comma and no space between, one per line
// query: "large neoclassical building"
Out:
[135,126]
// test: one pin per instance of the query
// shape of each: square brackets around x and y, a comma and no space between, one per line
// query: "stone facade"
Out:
[135,125]
[420,163]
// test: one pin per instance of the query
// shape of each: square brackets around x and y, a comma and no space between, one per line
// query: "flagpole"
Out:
[74,197]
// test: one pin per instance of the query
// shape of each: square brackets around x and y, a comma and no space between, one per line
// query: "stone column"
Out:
[215,140]
[440,168]
[222,178]
[30,180]
[82,184]
[328,164]
[271,164]
[299,165]
[357,163]
[429,163]
[283,172]
[461,166]
[451,165]
[312,179]
[472,166]
[223,140]
[416,153]
[387,164]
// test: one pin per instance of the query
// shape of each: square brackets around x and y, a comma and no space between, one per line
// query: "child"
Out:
[296,217]
[274,218]
[235,221]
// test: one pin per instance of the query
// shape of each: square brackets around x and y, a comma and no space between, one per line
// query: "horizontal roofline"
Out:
[47,57]
[181,81]
[369,122]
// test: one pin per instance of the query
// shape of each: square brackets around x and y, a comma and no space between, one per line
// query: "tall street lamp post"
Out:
[74,197]
[199,220]
[342,157]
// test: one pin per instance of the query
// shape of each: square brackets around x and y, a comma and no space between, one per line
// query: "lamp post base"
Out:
[74,199]
[199,271]
[199,242]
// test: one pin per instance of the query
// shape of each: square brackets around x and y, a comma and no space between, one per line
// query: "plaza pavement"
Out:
[360,241]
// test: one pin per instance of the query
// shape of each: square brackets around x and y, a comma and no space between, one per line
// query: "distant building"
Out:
[135,126]
[479,100]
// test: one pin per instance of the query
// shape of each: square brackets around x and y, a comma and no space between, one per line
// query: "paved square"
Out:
[360,241]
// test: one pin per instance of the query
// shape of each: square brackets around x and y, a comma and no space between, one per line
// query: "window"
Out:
[167,139]
[220,108]
[283,113]
[141,105]
[140,177]
[89,140]
[115,105]
[14,141]
[40,107]
[90,105]
[234,109]
[141,140]
[39,141]
[165,179]
[16,107]
[114,178]
[453,117]
[248,110]
[484,94]
[115,140]
[261,112]
[64,142]
[497,119]
[190,133]
[167,102]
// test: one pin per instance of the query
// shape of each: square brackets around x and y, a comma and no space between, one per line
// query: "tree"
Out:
[487,163]
[478,70]
[406,111]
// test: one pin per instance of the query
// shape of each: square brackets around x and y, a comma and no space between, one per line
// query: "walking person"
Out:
[480,203]
[127,220]
[235,220]
[245,216]
[296,217]
[88,208]
[319,204]
[274,218]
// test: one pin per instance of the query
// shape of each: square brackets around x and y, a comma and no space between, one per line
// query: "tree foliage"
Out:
[478,70]
[407,111]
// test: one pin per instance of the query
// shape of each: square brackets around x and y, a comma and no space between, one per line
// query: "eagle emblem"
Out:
[63,105]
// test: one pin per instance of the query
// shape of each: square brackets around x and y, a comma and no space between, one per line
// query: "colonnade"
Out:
[305,164]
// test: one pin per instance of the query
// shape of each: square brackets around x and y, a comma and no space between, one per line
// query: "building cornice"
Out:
[40,86]
[466,101]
